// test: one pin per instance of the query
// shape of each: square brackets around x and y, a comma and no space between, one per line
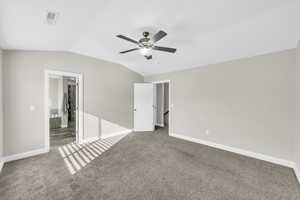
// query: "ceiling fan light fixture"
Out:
[145,51]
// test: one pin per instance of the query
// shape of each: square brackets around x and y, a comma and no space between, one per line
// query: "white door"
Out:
[143,107]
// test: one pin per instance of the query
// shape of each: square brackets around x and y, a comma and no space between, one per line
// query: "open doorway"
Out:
[152,107]
[161,106]
[63,106]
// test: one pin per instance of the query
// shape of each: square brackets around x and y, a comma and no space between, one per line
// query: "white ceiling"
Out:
[203,31]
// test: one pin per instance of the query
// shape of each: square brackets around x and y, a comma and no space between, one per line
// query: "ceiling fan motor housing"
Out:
[144,43]
[145,34]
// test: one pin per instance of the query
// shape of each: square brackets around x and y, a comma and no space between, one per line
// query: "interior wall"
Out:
[246,103]
[60,95]
[1,105]
[53,93]
[108,95]
[65,115]
[297,133]
[159,104]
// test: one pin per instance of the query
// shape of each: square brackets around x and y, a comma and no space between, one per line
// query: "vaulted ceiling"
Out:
[203,31]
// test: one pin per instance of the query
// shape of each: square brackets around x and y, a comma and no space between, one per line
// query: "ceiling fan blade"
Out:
[158,36]
[129,50]
[127,38]
[167,49]
[148,57]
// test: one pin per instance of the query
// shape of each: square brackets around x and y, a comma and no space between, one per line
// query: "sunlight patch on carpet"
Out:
[77,156]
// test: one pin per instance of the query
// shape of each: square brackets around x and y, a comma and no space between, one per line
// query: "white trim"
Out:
[162,81]
[25,155]
[62,73]
[137,130]
[159,124]
[92,139]
[1,164]
[170,105]
[116,134]
[48,74]
[259,156]
[297,172]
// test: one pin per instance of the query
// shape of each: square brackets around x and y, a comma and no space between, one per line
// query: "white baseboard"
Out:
[160,125]
[259,156]
[116,134]
[25,155]
[92,139]
[297,172]
[1,164]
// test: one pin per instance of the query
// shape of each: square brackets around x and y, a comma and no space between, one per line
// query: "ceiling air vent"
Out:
[51,17]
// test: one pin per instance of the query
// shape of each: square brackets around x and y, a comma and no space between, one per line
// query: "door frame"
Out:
[170,105]
[79,111]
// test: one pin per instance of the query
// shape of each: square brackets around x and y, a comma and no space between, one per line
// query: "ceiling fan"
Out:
[146,44]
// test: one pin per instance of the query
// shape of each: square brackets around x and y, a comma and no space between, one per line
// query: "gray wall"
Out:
[108,93]
[53,93]
[247,103]
[297,133]
[1,106]
[159,103]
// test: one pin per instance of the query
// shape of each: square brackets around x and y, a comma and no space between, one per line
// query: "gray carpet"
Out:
[146,166]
